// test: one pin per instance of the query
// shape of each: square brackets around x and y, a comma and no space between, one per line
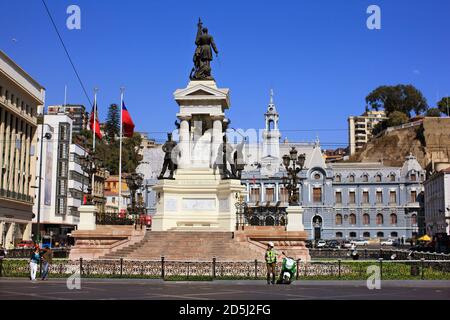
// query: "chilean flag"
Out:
[95,127]
[127,123]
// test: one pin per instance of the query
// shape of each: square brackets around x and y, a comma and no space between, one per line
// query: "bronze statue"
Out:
[203,54]
[238,160]
[168,148]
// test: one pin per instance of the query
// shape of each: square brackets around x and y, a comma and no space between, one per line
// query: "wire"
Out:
[67,52]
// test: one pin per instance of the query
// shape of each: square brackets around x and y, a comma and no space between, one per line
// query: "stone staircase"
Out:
[189,246]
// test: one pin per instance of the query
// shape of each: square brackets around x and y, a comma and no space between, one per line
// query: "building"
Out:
[437,203]
[336,155]
[64,179]
[98,190]
[21,99]
[360,128]
[75,111]
[112,195]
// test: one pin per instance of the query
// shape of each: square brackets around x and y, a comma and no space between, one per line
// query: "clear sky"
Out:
[318,55]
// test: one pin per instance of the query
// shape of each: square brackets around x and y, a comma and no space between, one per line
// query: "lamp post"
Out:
[293,164]
[134,183]
[240,210]
[89,164]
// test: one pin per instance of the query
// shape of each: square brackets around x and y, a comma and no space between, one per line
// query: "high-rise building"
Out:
[21,99]
[360,128]
[76,111]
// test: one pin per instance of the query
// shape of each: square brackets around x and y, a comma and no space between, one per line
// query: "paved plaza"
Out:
[107,289]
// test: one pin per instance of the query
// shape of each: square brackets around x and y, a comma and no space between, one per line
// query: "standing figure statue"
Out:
[168,148]
[203,54]
[238,160]
[224,156]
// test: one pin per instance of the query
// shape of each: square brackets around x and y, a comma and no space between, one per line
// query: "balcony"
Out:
[16,196]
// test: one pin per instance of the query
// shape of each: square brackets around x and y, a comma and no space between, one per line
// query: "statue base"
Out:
[196,200]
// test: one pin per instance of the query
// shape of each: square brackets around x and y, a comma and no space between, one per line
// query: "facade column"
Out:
[10,233]
[2,142]
[263,196]
[248,192]
[12,146]
[2,226]
[6,160]
[217,139]
[277,191]
[185,158]
[23,170]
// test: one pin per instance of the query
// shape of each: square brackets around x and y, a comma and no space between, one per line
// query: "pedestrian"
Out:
[35,259]
[271,262]
[47,258]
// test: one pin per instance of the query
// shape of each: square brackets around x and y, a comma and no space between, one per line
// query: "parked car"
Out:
[334,244]
[346,244]
[388,242]
[321,244]
[360,242]
[25,244]
[308,244]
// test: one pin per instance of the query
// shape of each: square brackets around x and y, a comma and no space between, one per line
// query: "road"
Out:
[129,289]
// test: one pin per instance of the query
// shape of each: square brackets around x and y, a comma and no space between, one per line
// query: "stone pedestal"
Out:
[87,217]
[295,218]
[198,198]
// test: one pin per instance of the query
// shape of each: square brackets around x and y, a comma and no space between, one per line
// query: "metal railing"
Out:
[366,254]
[215,269]
[62,253]
[112,220]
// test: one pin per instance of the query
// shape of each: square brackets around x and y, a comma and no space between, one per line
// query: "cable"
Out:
[67,52]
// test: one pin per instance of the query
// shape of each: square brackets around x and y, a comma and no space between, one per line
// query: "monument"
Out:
[197,196]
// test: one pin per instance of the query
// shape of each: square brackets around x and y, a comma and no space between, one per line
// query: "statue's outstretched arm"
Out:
[213,45]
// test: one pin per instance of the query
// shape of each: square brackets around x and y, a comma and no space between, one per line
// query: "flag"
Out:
[95,127]
[127,123]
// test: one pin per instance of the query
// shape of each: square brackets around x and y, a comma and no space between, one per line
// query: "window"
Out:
[113,200]
[337,178]
[366,219]
[394,234]
[351,178]
[254,195]
[379,196]
[378,178]
[352,234]
[393,219]
[414,219]
[366,234]
[365,197]
[352,197]
[339,235]
[413,177]
[338,197]
[365,178]
[284,195]
[270,194]
[317,176]
[338,219]
[380,234]
[392,177]
[380,219]
[317,195]
[392,197]
[352,218]
[413,196]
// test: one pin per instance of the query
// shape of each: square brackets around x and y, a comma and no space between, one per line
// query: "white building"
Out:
[63,179]
[360,128]
[437,203]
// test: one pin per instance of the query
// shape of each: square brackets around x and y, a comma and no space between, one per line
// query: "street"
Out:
[110,289]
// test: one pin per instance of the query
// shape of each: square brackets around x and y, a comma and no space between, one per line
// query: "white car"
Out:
[360,242]
[321,243]
[388,242]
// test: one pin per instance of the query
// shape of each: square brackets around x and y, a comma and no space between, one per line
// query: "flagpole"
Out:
[94,126]
[122,89]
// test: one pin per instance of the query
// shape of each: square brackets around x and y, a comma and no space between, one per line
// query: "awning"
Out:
[425,238]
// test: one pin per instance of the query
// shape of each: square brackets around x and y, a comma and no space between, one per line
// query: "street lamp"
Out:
[293,164]
[89,164]
[134,183]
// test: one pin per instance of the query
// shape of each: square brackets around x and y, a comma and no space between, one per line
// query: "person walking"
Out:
[35,259]
[47,258]
[271,262]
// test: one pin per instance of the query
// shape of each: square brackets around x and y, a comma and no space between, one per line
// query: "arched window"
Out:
[380,234]
[366,219]
[337,178]
[392,177]
[270,221]
[393,218]
[380,219]
[365,178]
[414,219]
[352,234]
[378,178]
[338,219]
[394,234]
[339,235]
[351,178]
[366,234]
[352,218]
[254,221]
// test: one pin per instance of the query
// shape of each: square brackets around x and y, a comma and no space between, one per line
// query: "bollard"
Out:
[121,267]
[422,265]
[162,268]
[256,268]
[81,266]
[339,268]
[298,267]
[381,268]
[214,268]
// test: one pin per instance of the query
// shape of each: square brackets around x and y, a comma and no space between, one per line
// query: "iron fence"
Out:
[61,253]
[214,269]
[367,254]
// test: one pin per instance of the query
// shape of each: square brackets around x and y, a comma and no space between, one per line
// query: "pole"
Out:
[93,141]
[120,148]
[38,231]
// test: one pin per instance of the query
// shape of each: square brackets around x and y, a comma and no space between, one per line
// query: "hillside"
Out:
[429,142]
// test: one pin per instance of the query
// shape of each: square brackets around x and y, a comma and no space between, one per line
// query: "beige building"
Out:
[21,99]
[360,128]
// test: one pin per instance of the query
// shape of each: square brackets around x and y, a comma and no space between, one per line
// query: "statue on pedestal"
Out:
[168,147]
[203,54]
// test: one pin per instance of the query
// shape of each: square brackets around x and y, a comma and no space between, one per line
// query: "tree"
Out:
[112,125]
[433,112]
[401,98]
[444,105]
[396,118]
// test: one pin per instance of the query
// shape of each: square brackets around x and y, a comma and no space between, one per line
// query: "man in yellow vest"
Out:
[271,261]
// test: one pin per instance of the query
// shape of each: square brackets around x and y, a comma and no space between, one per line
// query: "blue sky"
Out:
[318,55]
